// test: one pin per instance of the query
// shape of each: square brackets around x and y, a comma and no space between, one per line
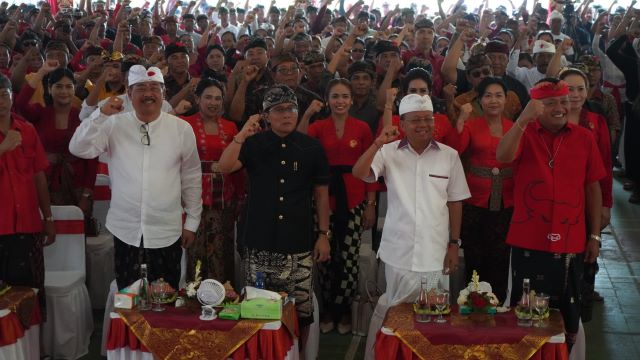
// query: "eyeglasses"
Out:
[477,73]
[145,139]
[357,50]
[285,71]
[285,109]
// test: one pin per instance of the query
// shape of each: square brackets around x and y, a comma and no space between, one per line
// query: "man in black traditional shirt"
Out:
[287,171]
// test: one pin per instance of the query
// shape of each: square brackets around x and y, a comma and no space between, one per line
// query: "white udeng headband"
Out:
[138,74]
[415,102]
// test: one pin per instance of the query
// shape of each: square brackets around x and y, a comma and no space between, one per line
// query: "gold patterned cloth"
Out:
[452,340]
[23,302]
[197,340]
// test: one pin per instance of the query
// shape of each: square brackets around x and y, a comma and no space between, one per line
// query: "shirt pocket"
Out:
[25,161]
[438,183]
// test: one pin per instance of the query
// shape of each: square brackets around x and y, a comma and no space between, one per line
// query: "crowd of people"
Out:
[274,132]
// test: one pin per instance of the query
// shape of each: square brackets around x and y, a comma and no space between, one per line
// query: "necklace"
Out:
[546,147]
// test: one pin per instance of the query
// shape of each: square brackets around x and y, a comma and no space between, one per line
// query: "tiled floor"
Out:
[613,332]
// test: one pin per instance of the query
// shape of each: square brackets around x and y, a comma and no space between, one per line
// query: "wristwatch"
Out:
[455,242]
[326,233]
[595,237]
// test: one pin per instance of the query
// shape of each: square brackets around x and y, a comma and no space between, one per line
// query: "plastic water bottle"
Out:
[259,280]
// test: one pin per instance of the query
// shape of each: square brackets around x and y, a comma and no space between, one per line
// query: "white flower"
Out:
[462,298]
[191,289]
[493,299]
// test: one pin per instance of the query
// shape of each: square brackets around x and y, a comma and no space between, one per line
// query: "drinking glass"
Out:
[541,305]
[158,290]
[442,300]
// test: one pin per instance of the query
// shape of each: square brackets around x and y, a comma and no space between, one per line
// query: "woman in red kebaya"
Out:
[597,124]
[417,81]
[487,214]
[220,193]
[71,179]
[344,139]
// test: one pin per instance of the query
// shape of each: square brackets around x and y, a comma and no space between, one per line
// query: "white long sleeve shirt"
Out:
[150,184]
[528,77]
[610,72]
[127,106]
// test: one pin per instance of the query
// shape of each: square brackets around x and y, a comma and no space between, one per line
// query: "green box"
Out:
[230,312]
[261,309]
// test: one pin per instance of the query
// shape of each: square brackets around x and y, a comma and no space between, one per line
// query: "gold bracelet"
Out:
[236,141]
[519,126]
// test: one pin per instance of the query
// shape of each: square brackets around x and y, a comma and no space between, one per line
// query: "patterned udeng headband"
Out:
[548,89]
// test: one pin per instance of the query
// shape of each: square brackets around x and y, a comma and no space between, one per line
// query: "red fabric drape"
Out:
[266,344]
[390,347]
[11,328]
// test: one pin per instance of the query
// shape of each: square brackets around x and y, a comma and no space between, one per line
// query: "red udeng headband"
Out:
[547,89]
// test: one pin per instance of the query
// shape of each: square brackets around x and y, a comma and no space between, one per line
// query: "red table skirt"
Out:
[11,329]
[390,347]
[266,344]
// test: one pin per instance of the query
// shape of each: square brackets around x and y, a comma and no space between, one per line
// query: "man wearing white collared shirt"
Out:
[155,172]
[425,186]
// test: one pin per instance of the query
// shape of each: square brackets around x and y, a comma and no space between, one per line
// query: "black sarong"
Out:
[559,275]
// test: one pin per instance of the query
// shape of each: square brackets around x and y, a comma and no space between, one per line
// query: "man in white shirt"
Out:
[425,188]
[154,170]
[225,25]
[542,54]
[556,20]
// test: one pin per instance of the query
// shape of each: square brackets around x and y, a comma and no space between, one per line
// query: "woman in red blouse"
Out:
[487,214]
[211,63]
[597,124]
[344,139]
[417,81]
[71,179]
[220,193]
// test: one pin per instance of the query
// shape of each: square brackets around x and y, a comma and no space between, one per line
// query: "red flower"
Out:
[478,301]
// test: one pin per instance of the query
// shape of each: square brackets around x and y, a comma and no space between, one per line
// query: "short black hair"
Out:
[417,73]
[207,82]
[490,80]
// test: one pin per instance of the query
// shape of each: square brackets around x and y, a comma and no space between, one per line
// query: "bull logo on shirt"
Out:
[540,208]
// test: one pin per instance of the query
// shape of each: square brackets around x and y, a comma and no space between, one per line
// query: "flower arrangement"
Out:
[191,291]
[477,297]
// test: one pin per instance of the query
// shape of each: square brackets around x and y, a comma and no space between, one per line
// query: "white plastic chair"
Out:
[66,333]
[100,267]
[102,199]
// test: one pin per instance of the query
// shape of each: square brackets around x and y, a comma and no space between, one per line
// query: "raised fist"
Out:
[112,106]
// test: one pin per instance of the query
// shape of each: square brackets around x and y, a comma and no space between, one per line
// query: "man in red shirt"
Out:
[424,34]
[23,186]
[556,168]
